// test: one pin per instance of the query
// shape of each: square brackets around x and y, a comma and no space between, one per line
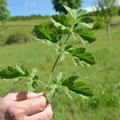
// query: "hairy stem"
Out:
[42,83]
[55,63]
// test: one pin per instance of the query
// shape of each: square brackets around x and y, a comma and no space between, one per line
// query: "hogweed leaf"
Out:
[77,87]
[43,33]
[61,21]
[51,91]
[86,36]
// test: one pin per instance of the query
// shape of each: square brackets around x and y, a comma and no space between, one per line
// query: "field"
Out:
[103,77]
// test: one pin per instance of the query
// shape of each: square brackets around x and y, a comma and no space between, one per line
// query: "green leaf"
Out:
[69,81]
[72,12]
[77,87]
[86,36]
[75,14]
[60,77]
[10,73]
[30,85]
[61,21]
[83,55]
[87,22]
[34,72]
[68,93]
[22,69]
[76,60]
[43,33]
[51,91]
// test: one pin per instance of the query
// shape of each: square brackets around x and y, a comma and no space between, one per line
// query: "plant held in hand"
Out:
[77,25]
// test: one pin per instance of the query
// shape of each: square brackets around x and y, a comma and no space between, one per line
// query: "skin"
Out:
[25,106]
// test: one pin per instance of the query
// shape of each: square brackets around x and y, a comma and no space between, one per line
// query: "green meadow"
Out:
[103,77]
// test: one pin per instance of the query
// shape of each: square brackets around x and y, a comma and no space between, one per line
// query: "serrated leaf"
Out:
[51,91]
[61,21]
[10,73]
[43,33]
[75,14]
[29,84]
[60,77]
[22,69]
[86,36]
[87,22]
[34,72]
[77,87]
[83,55]
[76,60]
[68,93]
[72,12]
[69,81]
[69,47]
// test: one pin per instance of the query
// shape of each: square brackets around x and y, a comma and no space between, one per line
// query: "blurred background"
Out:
[17,45]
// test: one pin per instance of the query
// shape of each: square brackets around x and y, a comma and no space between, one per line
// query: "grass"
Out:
[19,26]
[103,77]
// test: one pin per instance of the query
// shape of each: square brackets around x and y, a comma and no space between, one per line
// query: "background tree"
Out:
[74,4]
[4,13]
[106,9]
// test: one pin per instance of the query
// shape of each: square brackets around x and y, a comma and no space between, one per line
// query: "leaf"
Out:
[76,60]
[10,73]
[61,21]
[83,56]
[69,47]
[22,69]
[68,93]
[30,85]
[75,14]
[77,87]
[34,72]
[87,22]
[72,12]
[86,36]
[51,91]
[43,33]
[60,77]
[69,81]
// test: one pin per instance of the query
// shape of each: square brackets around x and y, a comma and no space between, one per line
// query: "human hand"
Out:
[25,106]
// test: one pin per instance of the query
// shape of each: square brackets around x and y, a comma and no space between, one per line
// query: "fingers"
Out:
[22,96]
[27,95]
[45,115]
[33,105]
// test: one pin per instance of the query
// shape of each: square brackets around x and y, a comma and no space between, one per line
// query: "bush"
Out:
[99,24]
[18,38]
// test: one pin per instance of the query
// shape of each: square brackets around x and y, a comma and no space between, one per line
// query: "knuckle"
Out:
[43,102]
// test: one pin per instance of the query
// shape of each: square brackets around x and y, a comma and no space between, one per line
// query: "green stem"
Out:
[55,63]
[42,83]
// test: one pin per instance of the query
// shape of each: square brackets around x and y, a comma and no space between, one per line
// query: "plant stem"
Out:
[42,83]
[55,63]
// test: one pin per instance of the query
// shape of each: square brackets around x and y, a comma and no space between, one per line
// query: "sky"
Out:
[42,7]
